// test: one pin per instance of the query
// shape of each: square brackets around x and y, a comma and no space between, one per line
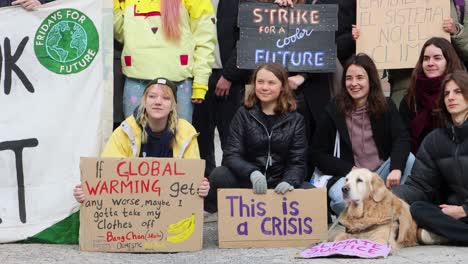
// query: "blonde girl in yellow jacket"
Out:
[170,38]
[156,131]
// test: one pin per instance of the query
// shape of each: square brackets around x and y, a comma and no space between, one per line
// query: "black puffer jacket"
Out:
[249,146]
[440,172]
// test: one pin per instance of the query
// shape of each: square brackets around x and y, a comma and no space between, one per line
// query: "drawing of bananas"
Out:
[184,229]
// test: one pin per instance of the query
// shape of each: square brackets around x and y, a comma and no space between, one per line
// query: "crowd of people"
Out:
[276,132]
[180,77]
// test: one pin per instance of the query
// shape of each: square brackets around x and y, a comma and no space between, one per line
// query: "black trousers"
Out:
[223,177]
[430,217]
[215,112]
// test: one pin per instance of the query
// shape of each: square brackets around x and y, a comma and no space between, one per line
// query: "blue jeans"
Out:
[134,88]
[337,204]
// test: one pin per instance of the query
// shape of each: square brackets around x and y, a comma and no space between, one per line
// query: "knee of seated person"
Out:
[219,175]
[338,207]
[306,185]
[417,206]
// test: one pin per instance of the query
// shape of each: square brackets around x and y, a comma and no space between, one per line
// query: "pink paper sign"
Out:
[350,247]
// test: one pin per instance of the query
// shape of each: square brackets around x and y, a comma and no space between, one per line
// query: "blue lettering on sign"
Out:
[296,58]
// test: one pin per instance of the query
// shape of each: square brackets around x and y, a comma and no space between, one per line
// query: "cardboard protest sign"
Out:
[393,32]
[141,205]
[245,219]
[302,38]
[351,247]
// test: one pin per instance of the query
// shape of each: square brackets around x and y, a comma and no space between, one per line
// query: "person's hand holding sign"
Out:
[284,3]
[295,81]
[78,193]
[450,27]
[204,188]
[355,32]
[27,4]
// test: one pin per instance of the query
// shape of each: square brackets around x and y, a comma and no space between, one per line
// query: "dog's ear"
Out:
[378,188]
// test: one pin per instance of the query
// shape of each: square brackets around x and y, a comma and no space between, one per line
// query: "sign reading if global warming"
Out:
[300,38]
[141,205]
[297,218]
[66,42]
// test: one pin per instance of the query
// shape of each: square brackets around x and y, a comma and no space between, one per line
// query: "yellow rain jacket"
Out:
[125,141]
[147,54]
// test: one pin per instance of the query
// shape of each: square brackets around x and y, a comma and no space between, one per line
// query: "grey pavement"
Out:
[43,253]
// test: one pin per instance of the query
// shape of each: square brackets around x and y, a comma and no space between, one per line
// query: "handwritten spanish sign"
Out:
[141,205]
[300,38]
[393,32]
[245,219]
[351,247]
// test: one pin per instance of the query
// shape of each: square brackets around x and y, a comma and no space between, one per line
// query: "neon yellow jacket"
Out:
[125,141]
[147,54]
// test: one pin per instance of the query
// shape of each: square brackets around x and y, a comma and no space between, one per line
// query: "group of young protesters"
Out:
[269,140]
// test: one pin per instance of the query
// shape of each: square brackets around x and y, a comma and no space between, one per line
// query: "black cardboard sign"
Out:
[302,38]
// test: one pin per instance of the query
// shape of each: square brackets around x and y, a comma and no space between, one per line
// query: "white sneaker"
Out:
[210,217]
[428,238]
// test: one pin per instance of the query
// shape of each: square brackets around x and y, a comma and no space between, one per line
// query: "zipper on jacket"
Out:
[457,147]
[269,160]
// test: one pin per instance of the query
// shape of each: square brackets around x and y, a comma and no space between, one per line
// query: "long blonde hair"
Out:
[142,115]
[170,18]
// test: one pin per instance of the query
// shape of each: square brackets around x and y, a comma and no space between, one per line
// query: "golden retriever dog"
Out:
[375,213]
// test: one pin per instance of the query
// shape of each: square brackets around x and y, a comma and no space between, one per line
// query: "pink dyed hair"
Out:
[170,16]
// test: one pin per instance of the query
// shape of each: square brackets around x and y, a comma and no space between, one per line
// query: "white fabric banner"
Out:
[56,106]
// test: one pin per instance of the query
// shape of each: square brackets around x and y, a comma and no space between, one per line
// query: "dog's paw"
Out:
[342,236]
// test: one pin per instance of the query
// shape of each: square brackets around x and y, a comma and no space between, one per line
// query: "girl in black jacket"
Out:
[371,133]
[438,186]
[417,109]
[267,144]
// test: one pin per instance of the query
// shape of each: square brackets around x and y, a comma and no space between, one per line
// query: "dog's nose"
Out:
[345,189]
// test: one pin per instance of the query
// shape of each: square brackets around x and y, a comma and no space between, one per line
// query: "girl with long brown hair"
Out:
[436,59]
[267,144]
[371,134]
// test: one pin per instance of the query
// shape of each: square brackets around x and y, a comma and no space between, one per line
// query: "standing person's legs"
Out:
[184,99]
[204,123]
[430,217]
[133,91]
[221,177]
[225,109]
